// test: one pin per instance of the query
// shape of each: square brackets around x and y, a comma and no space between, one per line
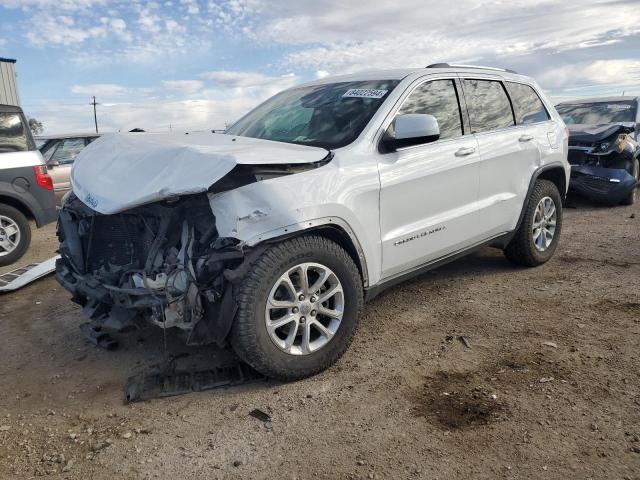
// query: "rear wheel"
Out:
[15,235]
[298,308]
[631,198]
[537,237]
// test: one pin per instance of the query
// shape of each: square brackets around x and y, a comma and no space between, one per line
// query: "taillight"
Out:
[42,177]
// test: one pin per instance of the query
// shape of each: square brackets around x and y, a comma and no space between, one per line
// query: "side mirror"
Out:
[53,163]
[412,129]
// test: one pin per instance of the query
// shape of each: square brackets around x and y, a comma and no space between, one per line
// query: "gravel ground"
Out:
[549,387]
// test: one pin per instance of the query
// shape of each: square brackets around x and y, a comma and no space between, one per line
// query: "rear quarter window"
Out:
[488,105]
[527,104]
[13,133]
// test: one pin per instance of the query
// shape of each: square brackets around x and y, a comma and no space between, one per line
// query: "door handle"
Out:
[464,151]
[526,138]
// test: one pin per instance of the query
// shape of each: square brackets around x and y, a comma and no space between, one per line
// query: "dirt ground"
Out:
[549,387]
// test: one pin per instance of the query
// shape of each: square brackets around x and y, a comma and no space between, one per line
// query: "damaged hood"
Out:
[596,133]
[121,171]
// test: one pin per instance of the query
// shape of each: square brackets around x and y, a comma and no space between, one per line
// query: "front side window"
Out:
[329,115]
[437,98]
[67,151]
[489,106]
[597,113]
[13,135]
[526,104]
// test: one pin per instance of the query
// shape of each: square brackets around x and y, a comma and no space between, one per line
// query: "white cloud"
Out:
[389,36]
[60,30]
[119,27]
[104,89]
[614,73]
[571,47]
[191,6]
[228,78]
[232,95]
[185,86]
[149,21]
[58,5]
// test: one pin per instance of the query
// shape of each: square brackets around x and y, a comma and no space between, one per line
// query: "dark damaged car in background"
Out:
[604,148]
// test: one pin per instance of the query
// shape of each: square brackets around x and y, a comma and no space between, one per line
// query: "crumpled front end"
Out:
[602,166]
[605,185]
[163,262]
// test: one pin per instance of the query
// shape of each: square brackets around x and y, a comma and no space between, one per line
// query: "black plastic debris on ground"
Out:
[169,382]
[260,415]
[97,336]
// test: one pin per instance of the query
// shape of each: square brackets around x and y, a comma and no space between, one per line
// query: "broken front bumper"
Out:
[607,185]
[161,263]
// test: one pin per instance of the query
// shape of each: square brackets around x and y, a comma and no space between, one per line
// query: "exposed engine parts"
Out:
[163,262]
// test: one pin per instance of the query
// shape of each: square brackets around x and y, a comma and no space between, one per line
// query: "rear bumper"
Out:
[47,215]
[609,185]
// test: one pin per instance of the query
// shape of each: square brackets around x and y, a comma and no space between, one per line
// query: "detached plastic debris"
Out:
[168,381]
[20,277]
[260,415]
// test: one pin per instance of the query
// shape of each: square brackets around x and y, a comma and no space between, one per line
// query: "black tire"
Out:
[249,336]
[25,234]
[631,198]
[521,250]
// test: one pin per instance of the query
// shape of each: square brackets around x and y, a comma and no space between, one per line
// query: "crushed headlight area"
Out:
[161,263]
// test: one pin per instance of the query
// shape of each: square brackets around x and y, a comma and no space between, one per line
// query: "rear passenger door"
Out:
[429,191]
[508,153]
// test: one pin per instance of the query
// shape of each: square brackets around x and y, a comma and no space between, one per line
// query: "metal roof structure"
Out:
[8,82]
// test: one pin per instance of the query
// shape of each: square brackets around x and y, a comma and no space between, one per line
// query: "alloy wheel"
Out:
[544,224]
[9,235]
[304,308]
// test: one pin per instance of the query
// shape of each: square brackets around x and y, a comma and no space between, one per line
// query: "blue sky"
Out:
[196,64]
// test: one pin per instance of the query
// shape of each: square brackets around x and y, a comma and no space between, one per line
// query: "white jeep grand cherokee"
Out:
[271,236]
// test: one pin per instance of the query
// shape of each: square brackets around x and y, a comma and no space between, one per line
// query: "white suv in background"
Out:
[271,235]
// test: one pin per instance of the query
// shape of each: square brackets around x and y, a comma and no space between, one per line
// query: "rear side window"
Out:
[67,151]
[13,135]
[526,104]
[488,104]
[437,98]
[48,148]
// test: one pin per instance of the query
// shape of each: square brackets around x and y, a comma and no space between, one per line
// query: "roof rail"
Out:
[452,65]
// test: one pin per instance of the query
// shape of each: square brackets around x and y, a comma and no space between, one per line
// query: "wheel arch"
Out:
[555,174]
[334,229]
[18,205]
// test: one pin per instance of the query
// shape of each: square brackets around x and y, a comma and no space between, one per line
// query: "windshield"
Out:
[329,116]
[13,136]
[597,113]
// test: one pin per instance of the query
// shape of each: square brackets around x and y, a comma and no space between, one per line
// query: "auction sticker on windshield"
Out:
[364,93]
[618,106]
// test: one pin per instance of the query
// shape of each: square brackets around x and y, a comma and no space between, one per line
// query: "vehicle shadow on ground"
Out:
[486,261]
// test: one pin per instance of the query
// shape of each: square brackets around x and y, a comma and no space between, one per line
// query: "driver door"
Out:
[429,192]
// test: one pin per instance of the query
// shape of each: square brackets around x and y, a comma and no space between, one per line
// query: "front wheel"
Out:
[298,308]
[537,237]
[15,235]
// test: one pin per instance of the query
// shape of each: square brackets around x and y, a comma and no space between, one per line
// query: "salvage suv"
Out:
[26,189]
[272,235]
